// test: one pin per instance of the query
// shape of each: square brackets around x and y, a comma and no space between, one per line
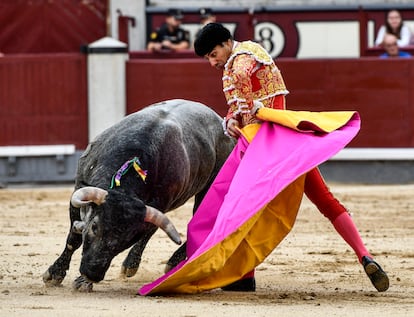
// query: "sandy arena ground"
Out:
[312,273]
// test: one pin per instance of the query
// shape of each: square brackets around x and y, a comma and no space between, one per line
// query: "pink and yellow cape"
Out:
[253,202]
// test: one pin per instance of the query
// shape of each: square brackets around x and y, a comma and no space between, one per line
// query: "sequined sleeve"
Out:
[238,86]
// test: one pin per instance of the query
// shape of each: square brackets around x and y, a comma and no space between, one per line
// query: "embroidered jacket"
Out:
[251,76]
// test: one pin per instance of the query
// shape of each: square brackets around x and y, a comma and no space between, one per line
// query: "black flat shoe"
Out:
[376,274]
[244,285]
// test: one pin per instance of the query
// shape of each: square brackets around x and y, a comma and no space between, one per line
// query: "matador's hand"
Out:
[233,128]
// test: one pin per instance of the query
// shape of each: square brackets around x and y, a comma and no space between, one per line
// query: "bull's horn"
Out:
[157,218]
[88,194]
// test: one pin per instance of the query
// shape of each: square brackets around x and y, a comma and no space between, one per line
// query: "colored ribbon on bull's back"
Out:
[116,178]
[253,202]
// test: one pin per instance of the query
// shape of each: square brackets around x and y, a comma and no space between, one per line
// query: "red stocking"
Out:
[317,192]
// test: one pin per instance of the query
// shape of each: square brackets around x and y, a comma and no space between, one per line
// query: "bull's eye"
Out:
[94,228]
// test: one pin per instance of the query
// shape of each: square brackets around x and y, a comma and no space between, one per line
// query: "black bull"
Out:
[181,146]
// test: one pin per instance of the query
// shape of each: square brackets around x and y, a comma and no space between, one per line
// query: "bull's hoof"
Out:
[82,284]
[52,280]
[128,271]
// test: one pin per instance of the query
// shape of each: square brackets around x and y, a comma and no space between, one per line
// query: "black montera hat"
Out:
[205,13]
[176,13]
[209,37]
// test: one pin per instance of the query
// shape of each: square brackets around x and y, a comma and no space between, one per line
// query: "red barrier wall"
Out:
[382,91]
[43,100]
[45,26]
[153,80]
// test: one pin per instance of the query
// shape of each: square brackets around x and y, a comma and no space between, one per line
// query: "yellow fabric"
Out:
[243,250]
[326,121]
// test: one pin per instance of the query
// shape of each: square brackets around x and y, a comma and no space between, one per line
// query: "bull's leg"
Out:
[133,259]
[181,253]
[57,271]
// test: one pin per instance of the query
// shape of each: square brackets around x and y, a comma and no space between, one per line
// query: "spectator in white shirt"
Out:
[394,25]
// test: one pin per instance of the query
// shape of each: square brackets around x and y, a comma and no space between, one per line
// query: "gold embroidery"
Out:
[250,74]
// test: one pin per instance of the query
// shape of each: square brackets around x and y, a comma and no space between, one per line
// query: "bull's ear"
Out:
[78,226]
[157,218]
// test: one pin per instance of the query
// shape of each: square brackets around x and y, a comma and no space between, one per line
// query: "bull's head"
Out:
[111,223]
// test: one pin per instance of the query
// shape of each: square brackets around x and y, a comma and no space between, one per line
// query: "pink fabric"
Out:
[274,159]
[200,228]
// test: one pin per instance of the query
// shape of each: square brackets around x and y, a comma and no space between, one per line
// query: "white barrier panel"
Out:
[37,150]
[106,84]
[375,154]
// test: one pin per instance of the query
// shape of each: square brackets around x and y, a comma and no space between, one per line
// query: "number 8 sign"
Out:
[270,36]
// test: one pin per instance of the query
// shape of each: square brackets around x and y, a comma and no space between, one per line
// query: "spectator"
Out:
[394,25]
[391,48]
[206,16]
[170,36]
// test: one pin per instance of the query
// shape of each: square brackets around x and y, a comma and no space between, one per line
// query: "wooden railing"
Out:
[43,100]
